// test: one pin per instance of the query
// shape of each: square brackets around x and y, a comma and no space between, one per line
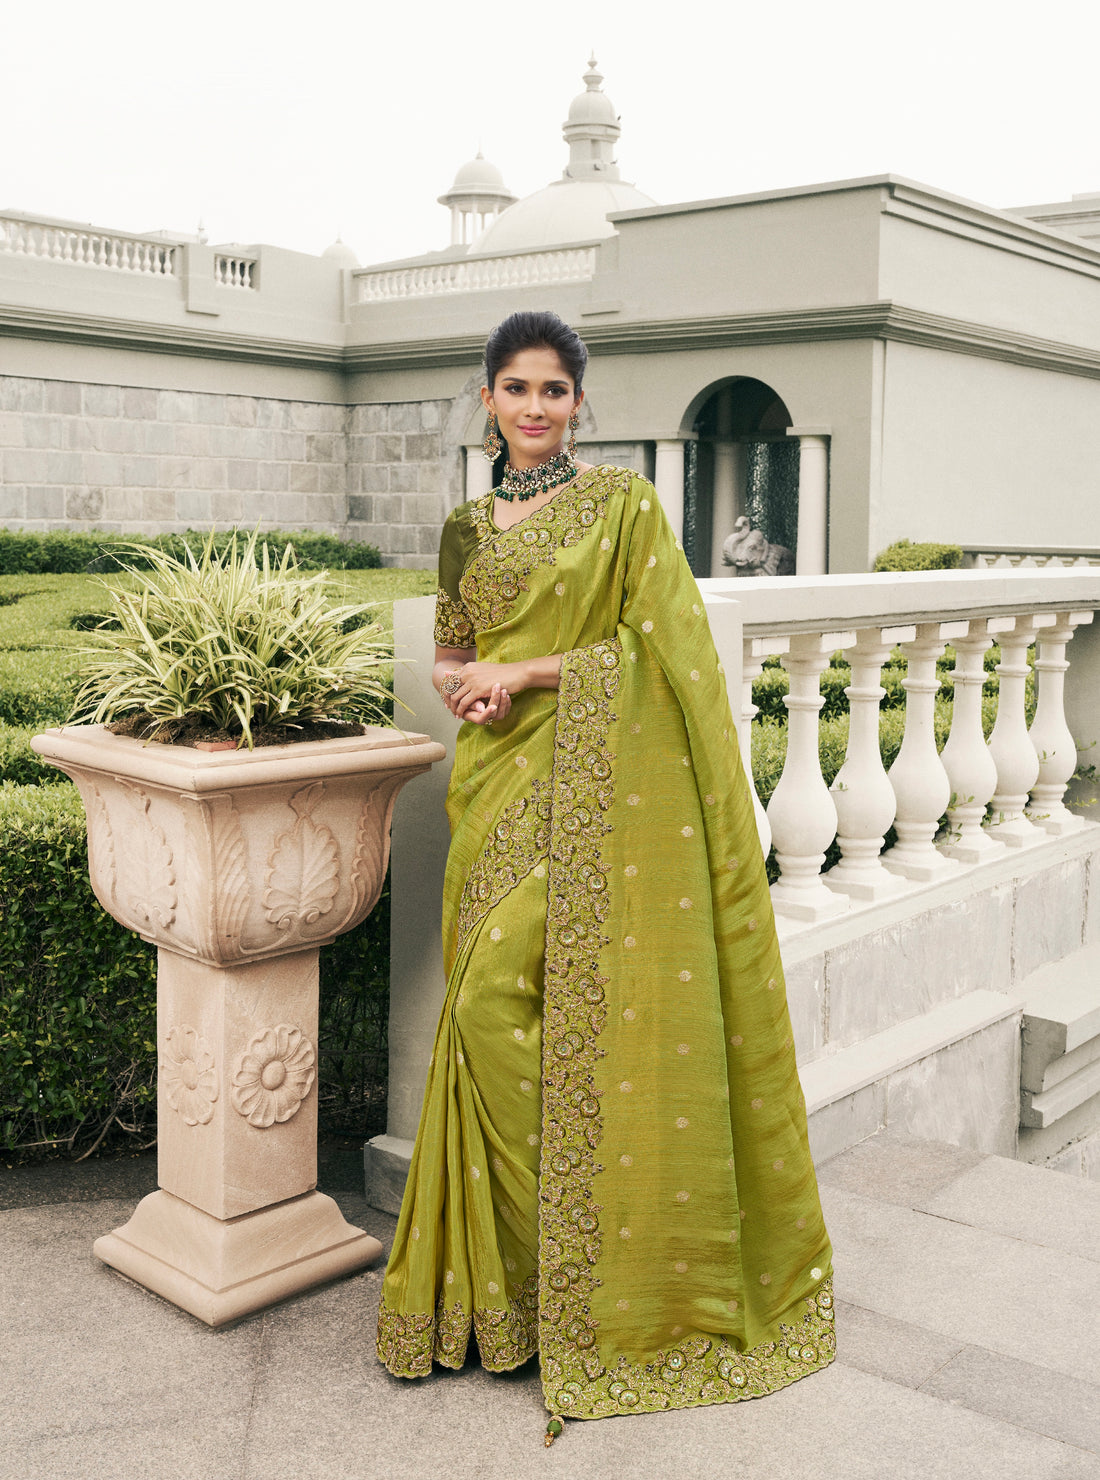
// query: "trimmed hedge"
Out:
[78,999]
[905,555]
[73,552]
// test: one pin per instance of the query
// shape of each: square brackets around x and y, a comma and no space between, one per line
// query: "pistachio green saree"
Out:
[612,1165]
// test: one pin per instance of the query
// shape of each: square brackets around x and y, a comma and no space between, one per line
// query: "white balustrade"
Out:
[861,791]
[1009,744]
[27,237]
[1050,735]
[801,812]
[970,766]
[918,776]
[756,649]
[478,274]
[234,272]
[989,557]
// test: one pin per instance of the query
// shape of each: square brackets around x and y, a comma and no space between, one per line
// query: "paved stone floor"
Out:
[968,1325]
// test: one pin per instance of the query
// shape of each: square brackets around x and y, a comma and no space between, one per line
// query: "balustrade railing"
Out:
[1003,793]
[1015,557]
[86,247]
[234,272]
[477,274]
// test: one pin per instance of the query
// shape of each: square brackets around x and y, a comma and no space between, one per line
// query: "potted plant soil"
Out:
[238,862]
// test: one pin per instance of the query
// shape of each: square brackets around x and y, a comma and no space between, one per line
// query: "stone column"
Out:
[728,475]
[669,481]
[812,555]
[479,473]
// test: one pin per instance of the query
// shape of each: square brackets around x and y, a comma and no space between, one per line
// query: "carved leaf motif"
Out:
[273,1076]
[155,898]
[369,860]
[303,872]
[101,847]
[230,868]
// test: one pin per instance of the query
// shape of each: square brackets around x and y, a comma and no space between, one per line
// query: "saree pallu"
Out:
[612,1166]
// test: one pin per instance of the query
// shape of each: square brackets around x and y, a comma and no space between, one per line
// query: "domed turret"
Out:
[340,253]
[576,207]
[591,131]
[477,197]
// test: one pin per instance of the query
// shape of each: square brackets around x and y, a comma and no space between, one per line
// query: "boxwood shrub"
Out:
[905,555]
[78,999]
[72,552]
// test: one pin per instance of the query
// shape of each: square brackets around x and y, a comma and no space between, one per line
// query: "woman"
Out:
[612,1166]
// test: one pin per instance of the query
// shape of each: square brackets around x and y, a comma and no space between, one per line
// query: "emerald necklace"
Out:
[524,483]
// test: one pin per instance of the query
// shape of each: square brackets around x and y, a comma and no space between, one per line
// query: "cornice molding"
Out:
[95,329]
[881,320]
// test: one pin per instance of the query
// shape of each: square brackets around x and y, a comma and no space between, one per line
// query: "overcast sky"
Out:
[290,123]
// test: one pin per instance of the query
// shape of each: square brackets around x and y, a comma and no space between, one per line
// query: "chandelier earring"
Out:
[492,447]
[574,423]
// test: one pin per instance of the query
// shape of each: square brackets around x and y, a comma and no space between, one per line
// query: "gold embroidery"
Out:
[573,1017]
[497,572]
[407,1344]
[701,1368]
[453,628]
[518,842]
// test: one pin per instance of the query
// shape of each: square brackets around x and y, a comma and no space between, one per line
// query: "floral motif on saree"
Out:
[612,1165]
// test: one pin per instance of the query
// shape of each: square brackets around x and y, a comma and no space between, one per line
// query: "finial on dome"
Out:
[593,78]
[591,131]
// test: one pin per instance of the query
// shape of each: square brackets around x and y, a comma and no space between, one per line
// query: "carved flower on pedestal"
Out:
[188,1075]
[273,1076]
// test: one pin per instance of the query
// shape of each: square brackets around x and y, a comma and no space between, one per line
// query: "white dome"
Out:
[340,253]
[567,211]
[478,175]
[593,107]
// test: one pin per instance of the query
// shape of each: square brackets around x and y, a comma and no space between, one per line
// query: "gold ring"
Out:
[452,683]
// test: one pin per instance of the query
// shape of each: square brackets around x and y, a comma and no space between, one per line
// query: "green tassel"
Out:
[553,1429]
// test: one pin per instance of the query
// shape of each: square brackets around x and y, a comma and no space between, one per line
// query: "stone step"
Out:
[950,1074]
[1061,1003]
[1038,1111]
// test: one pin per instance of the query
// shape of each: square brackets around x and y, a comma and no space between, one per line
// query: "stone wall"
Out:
[134,459]
[404,474]
[77,455]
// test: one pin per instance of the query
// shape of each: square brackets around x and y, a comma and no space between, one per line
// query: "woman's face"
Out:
[533,398]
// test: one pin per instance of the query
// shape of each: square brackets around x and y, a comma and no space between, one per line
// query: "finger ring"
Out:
[488,722]
[452,683]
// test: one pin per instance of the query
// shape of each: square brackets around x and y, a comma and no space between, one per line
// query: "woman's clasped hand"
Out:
[484,694]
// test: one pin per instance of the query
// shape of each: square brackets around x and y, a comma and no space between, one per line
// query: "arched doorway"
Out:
[739,461]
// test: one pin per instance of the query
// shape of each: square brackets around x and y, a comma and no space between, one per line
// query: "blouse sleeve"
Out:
[453,627]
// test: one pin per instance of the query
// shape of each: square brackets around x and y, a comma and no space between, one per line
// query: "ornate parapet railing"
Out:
[477,274]
[1013,557]
[234,272]
[29,236]
[1002,794]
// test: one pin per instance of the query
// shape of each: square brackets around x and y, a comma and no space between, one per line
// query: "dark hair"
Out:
[527,330]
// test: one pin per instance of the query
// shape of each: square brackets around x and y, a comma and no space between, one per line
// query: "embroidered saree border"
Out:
[518,841]
[409,1343]
[576,1379]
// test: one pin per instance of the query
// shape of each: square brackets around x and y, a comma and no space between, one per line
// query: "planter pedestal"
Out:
[238,866]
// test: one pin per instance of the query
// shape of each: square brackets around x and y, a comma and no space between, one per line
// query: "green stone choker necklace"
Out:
[524,483]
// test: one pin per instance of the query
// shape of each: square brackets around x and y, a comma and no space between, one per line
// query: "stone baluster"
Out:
[1009,744]
[801,812]
[755,650]
[917,776]
[1050,735]
[861,791]
[966,758]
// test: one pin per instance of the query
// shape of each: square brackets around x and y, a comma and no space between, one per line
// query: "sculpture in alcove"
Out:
[750,553]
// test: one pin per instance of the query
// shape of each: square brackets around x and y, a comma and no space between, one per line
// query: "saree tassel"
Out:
[553,1429]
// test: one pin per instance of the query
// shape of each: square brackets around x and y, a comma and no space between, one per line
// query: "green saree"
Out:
[612,1166]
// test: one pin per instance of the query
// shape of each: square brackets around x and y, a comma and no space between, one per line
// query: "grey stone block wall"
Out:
[404,475]
[137,460]
[141,460]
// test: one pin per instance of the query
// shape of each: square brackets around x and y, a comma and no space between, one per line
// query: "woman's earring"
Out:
[574,423]
[491,447]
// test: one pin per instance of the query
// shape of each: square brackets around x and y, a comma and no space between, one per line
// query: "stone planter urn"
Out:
[238,866]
